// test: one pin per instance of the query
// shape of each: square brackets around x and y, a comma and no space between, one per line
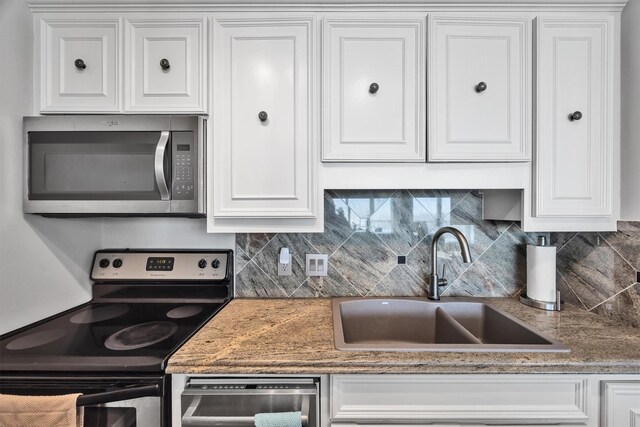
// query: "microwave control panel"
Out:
[183,166]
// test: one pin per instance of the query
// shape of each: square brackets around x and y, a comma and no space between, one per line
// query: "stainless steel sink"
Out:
[417,324]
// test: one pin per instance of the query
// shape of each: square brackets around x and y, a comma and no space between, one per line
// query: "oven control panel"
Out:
[160,266]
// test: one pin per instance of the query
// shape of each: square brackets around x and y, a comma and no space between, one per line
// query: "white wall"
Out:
[631,111]
[43,262]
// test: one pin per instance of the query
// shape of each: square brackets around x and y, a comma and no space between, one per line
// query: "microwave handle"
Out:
[158,163]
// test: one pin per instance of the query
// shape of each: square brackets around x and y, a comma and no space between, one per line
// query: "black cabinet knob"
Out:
[262,115]
[164,64]
[373,87]
[481,87]
[80,65]
[576,115]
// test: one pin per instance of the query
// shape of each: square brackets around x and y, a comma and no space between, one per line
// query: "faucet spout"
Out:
[434,281]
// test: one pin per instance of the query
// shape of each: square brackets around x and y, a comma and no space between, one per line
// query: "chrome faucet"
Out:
[434,281]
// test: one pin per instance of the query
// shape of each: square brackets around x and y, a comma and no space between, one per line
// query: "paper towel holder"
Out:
[543,305]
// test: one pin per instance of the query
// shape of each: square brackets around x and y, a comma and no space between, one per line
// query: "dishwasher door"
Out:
[228,402]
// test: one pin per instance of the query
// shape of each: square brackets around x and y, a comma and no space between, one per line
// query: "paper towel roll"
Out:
[541,273]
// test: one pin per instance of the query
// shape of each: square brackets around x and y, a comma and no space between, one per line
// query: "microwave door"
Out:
[85,172]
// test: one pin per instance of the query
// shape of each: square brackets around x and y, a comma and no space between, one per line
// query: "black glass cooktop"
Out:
[106,337]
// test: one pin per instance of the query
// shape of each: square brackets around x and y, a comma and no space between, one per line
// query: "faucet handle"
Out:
[443,280]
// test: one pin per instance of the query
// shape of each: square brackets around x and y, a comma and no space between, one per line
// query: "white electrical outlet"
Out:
[285,269]
[317,264]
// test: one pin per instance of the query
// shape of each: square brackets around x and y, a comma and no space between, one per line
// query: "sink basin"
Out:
[417,324]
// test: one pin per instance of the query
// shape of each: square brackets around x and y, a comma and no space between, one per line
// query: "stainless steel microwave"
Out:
[114,165]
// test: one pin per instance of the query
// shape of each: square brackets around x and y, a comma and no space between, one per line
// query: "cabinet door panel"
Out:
[381,123]
[620,404]
[479,87]
[263,167]
[465,399]
[574,146]
[68,85]
[166,68]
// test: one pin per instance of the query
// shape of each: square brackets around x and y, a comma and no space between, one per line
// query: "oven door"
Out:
[107,402]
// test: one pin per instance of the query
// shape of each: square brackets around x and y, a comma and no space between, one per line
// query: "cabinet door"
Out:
[620,404]
[479,86]
[263,151]
[166,66]
[79,66]
[574,144]
[374,90]
[465,399]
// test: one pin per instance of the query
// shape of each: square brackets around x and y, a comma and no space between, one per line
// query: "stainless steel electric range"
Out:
[115,348]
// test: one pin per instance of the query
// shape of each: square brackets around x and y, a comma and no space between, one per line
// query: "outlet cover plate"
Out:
[285,269]
[317,264]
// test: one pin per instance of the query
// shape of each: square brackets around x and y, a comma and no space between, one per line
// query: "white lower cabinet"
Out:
[620,404]
[478,400]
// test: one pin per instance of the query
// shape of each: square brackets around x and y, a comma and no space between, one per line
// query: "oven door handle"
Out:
[118,395]
[158,165]
[189,419]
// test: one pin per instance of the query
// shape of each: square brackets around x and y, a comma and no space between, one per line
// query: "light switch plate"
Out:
[317,264]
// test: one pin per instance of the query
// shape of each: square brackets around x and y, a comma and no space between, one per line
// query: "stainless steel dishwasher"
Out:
[236,401]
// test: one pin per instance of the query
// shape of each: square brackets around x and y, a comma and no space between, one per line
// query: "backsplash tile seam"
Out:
[533,242]
[612,297]
[386,199]
[347,280]
[298,288]
[584,306]
[619,254]
[482,266]
[558,249]
[489,247]
[239,249]
[269,277]
[580,279]
[412,192]
[379,281]
[418,275]
[265,245]
[341,244]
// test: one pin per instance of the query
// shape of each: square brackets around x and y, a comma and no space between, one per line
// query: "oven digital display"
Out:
[160,263]
[183,147]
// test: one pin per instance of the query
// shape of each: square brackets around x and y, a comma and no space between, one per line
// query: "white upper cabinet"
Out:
[575,139]
[165,65]
[79,65]
[479,89]
[374,103]
[264,155]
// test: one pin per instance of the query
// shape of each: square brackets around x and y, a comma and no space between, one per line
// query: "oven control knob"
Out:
[202,263]
[117,263]
[215,263]
[104,263]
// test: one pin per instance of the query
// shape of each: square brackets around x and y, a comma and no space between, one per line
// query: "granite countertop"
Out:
[291,336]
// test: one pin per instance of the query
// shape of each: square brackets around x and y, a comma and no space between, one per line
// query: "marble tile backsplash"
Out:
[378,244]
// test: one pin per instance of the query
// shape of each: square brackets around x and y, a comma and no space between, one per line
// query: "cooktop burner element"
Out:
[184,312]
[36,339]
[140,336]
[143,308]
[99,314]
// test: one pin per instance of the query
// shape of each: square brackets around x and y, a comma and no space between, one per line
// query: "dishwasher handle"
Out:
[188,419]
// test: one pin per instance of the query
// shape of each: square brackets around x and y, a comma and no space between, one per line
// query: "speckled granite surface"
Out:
[264,336]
